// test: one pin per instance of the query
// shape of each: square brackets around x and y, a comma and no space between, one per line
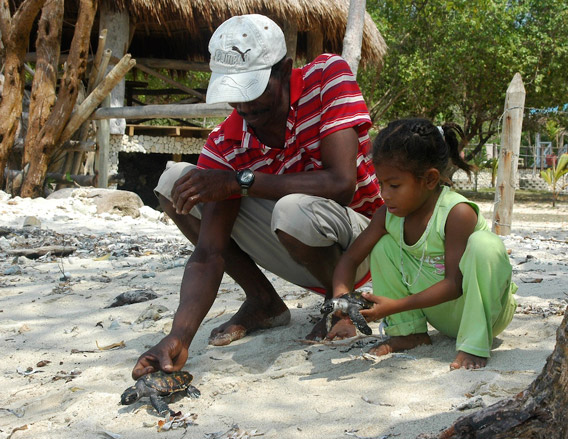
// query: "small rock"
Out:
[14,269]
[31,221]
[135,296]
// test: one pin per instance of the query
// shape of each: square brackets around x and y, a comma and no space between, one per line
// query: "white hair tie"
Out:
[441,130]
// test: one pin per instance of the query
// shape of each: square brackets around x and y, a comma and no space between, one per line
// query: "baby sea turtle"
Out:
[350,304]
[158,385]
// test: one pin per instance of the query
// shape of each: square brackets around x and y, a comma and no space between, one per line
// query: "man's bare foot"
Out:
[344,328]
[399,343]
[247,319]
[468,361]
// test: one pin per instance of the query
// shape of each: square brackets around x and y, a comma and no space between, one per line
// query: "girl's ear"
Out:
[432,177]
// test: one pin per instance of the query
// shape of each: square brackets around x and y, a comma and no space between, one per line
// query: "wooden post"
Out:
[290,30]
[118,38]
[354,34]
[315,44]
[509,156]
[103,142]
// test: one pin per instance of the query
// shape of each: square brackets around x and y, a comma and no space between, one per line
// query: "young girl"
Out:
[433,258]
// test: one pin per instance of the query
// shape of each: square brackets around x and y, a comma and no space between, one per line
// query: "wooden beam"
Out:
[156,92]
[96,97]
[163,111]
[154,63]
[169,80]
[174,64]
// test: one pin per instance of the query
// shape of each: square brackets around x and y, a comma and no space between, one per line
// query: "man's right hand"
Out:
[168,355]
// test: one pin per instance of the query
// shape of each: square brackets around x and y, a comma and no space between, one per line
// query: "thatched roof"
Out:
[181,28]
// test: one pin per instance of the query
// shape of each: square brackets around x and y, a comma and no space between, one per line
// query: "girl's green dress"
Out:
[486,306]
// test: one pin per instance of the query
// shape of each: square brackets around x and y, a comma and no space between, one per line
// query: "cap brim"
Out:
[237,87]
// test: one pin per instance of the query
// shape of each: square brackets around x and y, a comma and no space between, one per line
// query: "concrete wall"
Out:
[526,180]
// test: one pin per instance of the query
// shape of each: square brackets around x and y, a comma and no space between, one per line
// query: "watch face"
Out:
[245,177]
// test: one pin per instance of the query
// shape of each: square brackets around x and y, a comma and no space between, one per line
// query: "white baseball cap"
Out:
[243,50]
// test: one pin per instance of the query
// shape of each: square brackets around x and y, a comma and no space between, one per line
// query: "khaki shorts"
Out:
[315,221]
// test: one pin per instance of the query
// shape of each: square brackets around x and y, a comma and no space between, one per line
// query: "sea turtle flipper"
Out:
[159,404]
[193,392]
[359,320]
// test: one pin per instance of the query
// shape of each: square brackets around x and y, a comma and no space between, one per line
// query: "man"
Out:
[271,186]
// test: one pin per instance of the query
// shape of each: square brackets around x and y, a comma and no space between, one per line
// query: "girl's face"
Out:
[403,192]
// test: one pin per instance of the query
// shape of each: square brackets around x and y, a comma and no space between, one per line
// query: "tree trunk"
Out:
[45,78]
[541,411]
[49,136]
[354,34]
[15,38]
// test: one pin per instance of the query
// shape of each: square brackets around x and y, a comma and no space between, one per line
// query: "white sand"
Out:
[269,383]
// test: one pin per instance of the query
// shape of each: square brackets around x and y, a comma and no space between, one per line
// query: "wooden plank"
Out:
[508,158]
[173,131]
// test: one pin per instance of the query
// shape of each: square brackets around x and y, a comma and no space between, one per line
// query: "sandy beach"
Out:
[67,355]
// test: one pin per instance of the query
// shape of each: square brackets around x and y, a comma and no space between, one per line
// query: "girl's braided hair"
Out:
[416,145]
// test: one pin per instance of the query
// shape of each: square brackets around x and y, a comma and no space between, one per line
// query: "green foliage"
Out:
[554,174]
[453,60]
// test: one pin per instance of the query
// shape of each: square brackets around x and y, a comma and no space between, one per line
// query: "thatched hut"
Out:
[180,29]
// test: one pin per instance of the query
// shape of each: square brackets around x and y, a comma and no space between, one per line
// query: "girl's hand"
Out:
[383,307]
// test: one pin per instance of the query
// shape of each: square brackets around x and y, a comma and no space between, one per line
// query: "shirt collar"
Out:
[234,126]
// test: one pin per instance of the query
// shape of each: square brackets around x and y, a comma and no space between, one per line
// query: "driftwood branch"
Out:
[540,411]
[34,253]
[60,178]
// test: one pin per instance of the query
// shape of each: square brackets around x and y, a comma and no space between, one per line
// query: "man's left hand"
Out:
[202,185]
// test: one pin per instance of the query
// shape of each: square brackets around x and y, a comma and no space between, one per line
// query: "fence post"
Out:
[509,156]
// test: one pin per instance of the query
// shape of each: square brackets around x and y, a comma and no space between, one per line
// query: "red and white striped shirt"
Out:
[324,98]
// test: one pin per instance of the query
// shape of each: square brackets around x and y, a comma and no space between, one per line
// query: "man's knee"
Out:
[171,174]
[314,221]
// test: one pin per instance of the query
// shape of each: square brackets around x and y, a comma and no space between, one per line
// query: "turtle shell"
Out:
[356,298]
[168,382]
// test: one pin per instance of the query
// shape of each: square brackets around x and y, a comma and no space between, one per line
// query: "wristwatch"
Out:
[245,178]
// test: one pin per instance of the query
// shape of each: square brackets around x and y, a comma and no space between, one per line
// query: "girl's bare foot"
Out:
[400,343]
[247,319]
[468,361]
